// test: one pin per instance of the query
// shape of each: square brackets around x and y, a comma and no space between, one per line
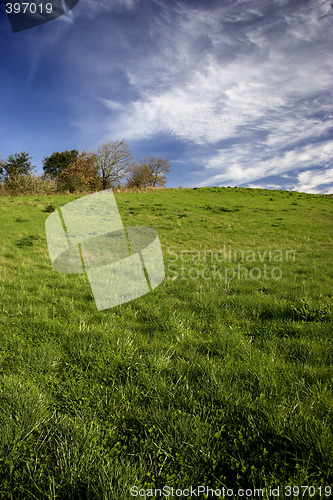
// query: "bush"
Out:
[28,184]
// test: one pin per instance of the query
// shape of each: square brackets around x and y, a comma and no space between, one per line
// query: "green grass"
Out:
[225,383]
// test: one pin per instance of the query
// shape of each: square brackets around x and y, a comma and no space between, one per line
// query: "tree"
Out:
[2,170]
[140,175]
[58,162]
[17,173]
[81,174]
[158,167]
[16,165]
[114,161]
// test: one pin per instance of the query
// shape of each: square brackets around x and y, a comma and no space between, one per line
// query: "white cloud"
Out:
[238,166]
[309,181]
[67,17]
[203,98]
[91,8]
[111,104]
[306,24]
[257,80]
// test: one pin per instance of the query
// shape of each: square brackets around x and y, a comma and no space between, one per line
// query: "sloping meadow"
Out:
[221,376]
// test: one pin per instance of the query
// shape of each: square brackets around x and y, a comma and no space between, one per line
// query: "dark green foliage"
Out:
[17,165]
[26,241]
[306,312]
[58,162]
[49,208]
[220,209]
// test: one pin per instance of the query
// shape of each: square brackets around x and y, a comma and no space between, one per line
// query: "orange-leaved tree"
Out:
[81,175]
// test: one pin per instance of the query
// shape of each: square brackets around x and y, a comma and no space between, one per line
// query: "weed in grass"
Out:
[26,241]
[49,208]
[306,312]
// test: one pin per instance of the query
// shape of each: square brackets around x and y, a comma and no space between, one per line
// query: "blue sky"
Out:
[231,92]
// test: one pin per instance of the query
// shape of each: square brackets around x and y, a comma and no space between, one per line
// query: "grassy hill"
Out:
[222,376]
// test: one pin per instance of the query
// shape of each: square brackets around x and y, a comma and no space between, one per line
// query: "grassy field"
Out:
[222,376]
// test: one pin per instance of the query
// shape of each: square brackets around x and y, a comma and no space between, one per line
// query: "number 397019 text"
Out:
[28,8]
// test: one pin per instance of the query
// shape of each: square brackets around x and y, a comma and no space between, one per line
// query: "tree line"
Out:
[111,166]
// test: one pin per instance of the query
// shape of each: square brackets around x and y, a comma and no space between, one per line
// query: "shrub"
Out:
[28,184]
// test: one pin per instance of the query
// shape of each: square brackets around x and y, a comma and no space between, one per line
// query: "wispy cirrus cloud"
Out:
[258,78]
[308,181]
[241,168]
[91,8]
